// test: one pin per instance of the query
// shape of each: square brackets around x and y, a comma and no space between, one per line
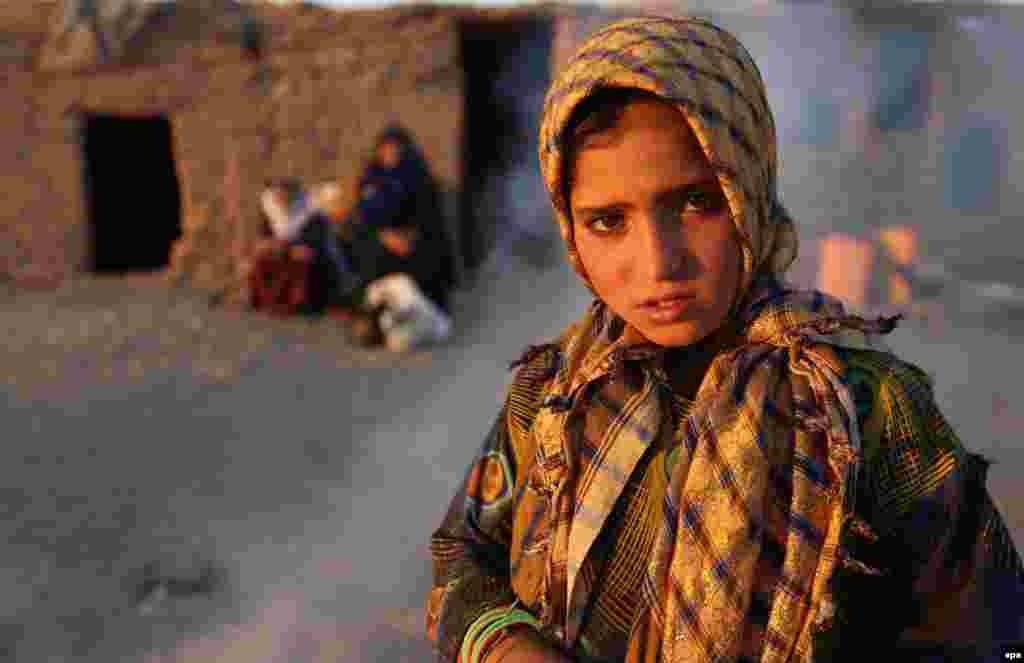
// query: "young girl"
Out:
[708,466]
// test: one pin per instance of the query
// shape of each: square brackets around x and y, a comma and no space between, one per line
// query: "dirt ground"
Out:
[188,483]
[150,435]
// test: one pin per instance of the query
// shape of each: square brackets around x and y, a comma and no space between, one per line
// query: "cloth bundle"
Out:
[408,319]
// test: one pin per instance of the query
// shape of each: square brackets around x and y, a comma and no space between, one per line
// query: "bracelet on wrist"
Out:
[492,643]
[484,632]
[503,621]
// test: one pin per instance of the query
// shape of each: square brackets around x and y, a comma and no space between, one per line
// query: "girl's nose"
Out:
[664,249]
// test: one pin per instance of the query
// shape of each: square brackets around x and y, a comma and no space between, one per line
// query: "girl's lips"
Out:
[653,304]
[668,309]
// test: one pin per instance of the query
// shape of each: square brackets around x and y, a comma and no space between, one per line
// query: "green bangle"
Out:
[480,623]
[489,622]
[509,618]
[481,639]
[492,643]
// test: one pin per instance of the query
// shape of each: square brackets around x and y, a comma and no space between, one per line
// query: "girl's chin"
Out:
[677,335]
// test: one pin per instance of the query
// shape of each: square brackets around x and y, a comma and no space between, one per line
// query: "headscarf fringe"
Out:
[829,326]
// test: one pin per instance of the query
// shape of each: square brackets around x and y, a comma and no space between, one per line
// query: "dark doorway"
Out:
[507,66]
[132,191]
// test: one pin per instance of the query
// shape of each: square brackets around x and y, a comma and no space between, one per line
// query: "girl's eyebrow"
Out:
[671,194]
[600,210]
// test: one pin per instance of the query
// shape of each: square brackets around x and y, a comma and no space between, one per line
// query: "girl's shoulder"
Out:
[535,369]
[882,379]
[908,445]
[542,360]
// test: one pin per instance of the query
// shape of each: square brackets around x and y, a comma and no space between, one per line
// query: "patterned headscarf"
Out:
[714,82]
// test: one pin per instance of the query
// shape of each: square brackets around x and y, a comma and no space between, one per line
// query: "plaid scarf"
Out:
[761,483]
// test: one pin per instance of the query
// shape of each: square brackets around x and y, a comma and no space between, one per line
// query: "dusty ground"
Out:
[146,430]
[149,436]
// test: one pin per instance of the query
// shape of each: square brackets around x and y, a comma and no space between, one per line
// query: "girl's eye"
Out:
[704,202]
[604,225]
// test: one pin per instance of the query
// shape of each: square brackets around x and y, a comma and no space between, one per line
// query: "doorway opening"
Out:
[132,192]
[507,65]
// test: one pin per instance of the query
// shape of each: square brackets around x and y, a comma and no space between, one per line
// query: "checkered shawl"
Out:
[709,76]
[770,447]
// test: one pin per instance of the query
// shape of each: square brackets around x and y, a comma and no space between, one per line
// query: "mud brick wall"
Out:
[329,80]
[309,107]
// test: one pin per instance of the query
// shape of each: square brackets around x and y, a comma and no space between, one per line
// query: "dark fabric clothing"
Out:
[314,236]
[329,279]
[279,284]
[404,197]
[332,275]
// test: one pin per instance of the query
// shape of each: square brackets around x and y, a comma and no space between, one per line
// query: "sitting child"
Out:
[300,267]
[279,270]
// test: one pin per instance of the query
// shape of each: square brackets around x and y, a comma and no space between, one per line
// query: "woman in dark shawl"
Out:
[397,224]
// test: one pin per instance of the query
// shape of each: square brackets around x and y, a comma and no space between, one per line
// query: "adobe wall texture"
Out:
[326,83]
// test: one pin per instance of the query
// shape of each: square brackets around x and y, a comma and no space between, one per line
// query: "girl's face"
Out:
[652,226]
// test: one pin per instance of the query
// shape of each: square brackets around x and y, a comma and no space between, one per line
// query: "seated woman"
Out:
[396,227]
[296,268]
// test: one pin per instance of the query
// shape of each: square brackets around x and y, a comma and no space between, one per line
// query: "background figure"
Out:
[330,202]
[297,267]
[889,141]
[397,226]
